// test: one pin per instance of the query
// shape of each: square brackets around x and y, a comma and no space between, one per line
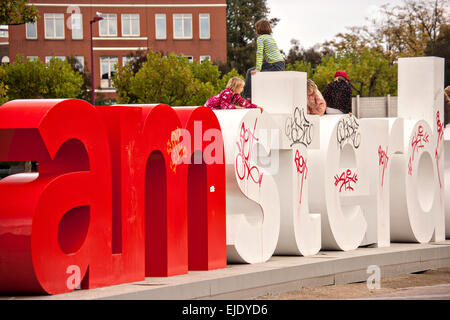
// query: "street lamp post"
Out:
[97,18]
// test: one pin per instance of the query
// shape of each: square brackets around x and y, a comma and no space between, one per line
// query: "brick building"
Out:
[194,28]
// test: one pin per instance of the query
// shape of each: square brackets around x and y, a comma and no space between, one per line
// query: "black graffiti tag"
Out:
[298,129]
[348,130]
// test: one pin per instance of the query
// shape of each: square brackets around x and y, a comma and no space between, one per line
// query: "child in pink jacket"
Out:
[230,98]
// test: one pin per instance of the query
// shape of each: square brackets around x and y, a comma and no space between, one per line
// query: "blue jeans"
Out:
[276,66]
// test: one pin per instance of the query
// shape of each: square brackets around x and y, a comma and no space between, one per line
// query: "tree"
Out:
[404,30]
[441,48]
[3,91]
[241,34]
[301,66]
[33,79]
[168,80]
[297,53]
[206,71]
[15,12]
[371,74]
[408,29]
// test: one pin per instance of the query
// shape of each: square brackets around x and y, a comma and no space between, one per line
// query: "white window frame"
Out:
[73,16]
[107,83]
[127,60]
[4,32]
[28,25]
[183,16]
[190,58]
[160,16]
[129,21]
[202,58]
[200,18]
[54,17]
[106,19]
[48,58]
[80,60]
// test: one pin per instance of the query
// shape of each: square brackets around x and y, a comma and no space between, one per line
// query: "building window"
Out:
[127,60]
[182,26]
[48,58]
[108,26]
[32,58]
[3,31]
[107,70]
[79,63]
[54,25]
[77,26]
[160,26]
[204,26]
[190,58]
[203,58]
[130,25]
[31,30]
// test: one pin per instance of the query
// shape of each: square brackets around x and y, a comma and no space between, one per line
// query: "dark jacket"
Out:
[338,95]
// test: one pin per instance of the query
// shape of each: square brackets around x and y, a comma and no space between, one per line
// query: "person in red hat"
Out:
[338,94]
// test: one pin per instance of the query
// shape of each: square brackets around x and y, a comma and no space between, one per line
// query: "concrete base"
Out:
[279,274]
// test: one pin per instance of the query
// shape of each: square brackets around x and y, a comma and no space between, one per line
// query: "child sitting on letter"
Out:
[230,98]
[316,102]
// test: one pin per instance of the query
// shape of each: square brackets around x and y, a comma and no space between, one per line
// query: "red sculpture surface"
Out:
[112,196]
[206,189]
[61,219]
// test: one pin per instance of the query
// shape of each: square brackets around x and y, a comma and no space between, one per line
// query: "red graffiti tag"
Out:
[383,160]
[243,168]
[440,136]
[346,179]
[176,150]
[417,143]
[302,170]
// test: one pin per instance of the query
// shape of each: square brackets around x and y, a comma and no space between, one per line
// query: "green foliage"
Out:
[222,83]
[371,74]
[171,80]
[3,89]
[241,34]
[33,79]
[441,48]
[122,82]
[205,72]
[14,12]
[301,66]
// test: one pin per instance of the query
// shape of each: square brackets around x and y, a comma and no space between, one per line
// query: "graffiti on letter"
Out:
[299,129]
[418,142]
[176,150]
[440,136]
[383,160]
[348,131]
[245,145]
[345,180]
[302,171]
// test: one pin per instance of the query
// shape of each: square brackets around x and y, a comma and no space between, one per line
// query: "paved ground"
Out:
[429,285]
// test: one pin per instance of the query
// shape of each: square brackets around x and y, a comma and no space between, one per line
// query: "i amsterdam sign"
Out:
[129,192]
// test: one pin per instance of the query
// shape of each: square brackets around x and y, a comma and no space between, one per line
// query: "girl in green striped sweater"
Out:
[268,56]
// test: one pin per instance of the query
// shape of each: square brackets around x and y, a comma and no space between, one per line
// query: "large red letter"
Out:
[161,189]
[206,190]
[57,224]
[124,125]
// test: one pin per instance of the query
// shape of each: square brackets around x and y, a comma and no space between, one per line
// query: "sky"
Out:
[315,21]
